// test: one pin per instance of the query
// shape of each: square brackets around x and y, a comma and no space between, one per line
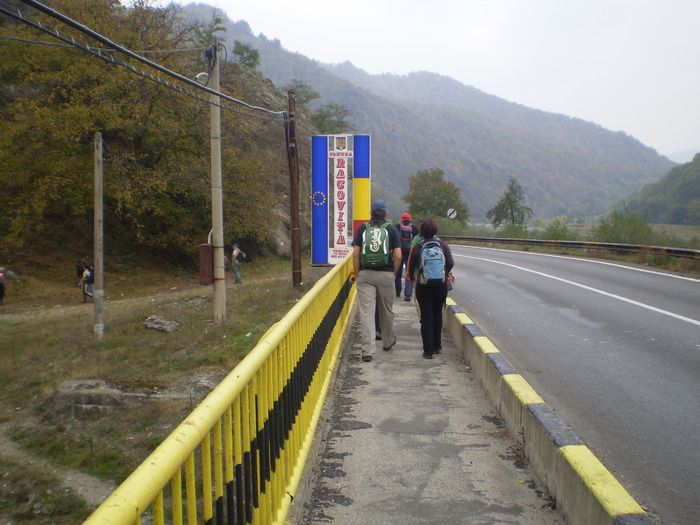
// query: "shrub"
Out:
[558,230]
[624,227]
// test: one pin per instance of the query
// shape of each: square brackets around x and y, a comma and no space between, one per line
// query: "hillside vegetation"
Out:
[157,186]
[422,120]
[675,199]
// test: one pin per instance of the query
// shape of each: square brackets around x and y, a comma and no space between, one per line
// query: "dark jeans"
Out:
[431,299]
[397,283]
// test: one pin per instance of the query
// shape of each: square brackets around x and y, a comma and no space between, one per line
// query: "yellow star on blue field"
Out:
[318,198]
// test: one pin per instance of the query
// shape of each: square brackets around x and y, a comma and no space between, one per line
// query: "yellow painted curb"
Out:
[463,319]
[522,389]
[602,484]
[486,346]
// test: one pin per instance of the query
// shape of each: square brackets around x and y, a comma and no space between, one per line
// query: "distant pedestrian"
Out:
[87,282]
[79,268]
[236,256]
[375,259]
[429,266]
[4,273]
[407,231]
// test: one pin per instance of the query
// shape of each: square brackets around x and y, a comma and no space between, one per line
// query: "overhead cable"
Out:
[109,58]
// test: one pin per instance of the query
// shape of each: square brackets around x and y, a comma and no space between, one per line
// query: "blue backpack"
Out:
[432,263]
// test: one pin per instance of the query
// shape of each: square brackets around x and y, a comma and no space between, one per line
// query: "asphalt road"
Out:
[614,348]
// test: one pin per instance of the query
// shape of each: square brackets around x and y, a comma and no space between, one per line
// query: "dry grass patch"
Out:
[47,339]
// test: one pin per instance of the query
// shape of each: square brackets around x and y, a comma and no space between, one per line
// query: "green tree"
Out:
[430,195]
[558,230]
[624,227]
[203,35]
[304,94]
[511,209]
[157,188]
[246,55]
[513,231]
[330,119]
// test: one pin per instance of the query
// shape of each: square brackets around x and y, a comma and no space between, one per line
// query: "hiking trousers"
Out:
[431,299]
[375,289]
[237,273]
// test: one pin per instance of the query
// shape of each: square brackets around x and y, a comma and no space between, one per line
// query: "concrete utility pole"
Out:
[99,291]
[293,157]
[217,215]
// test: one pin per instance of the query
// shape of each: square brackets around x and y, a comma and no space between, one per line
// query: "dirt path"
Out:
[93,490]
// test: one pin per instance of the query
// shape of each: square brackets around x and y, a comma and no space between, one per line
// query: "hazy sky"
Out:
[630,65]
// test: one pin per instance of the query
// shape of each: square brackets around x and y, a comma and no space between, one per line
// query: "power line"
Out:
[108,57]
[144,52]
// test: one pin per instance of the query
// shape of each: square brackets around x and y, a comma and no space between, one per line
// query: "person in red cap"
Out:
[407,231]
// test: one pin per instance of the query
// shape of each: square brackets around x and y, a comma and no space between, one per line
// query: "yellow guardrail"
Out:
[238,457]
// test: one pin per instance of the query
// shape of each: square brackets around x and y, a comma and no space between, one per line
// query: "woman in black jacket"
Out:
[431,294]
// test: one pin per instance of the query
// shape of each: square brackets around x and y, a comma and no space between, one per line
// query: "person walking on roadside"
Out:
[407,231]
[236,257]
[429,265]
[79,268]
[87,282]
[376,257]
[4,273]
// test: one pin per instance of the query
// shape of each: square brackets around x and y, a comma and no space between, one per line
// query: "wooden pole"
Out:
[217,215]
[293,157]
[99,291]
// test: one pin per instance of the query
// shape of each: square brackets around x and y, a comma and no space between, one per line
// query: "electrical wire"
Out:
[144,52]
[274,115]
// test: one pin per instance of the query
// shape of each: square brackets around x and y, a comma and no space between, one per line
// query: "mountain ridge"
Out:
[422,120]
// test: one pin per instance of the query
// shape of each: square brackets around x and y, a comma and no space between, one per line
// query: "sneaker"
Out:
[427,355]
[407,298]
[378,336]
[387,348]
[366,358]
[437,351]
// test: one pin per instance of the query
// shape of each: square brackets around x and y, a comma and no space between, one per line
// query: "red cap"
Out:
[406,217]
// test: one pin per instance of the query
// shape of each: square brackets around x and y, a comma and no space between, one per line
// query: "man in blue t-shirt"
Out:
[375,285]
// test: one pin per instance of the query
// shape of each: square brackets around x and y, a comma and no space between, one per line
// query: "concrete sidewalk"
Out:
[406,440]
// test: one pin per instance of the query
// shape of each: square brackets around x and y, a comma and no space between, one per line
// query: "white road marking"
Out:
[590,289]
[591,261]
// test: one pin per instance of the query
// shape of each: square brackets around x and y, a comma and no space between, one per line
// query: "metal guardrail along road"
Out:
[625,248]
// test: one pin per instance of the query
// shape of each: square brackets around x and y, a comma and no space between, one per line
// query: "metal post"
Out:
[99,286]
[217,216]
[293,157]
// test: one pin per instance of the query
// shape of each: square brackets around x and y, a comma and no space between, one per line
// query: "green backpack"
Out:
[375,246]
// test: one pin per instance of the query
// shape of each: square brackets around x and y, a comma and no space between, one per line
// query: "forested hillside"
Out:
[424,120]
[675,199]
[157,185]
[157,189]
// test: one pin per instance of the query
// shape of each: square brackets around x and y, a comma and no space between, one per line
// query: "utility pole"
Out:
[217,215]
[99,290]
[293,157]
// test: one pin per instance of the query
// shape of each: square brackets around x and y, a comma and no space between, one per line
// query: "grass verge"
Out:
[46,339]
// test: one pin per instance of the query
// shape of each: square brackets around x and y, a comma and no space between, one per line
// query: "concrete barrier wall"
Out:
[586,493]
